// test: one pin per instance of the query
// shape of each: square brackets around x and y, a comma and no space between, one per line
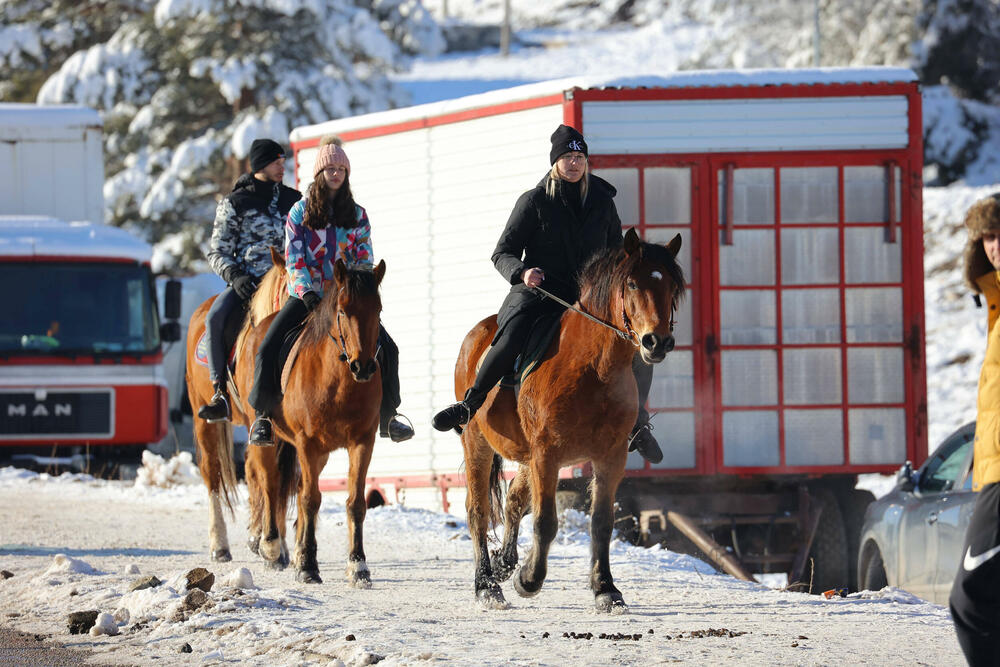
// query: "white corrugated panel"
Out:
[713,126]
[438,199]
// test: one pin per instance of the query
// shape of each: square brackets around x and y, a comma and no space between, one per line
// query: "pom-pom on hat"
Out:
[565,140]
[330,155]
[263,152]
[982,217]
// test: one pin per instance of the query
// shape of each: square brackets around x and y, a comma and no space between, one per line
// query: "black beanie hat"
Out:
[564,140]
[263,152]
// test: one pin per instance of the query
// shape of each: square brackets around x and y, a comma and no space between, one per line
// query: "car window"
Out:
[947,468]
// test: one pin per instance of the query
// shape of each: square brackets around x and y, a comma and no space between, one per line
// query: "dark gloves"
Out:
[311,299]
[244,285]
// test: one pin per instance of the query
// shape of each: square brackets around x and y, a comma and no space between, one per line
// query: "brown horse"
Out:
[579,405]
[331,401]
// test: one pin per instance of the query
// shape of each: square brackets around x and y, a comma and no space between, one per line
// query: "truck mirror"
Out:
[905,478]
[170,332]
[172,300]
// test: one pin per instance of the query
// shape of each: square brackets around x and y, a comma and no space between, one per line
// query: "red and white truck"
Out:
[81,353]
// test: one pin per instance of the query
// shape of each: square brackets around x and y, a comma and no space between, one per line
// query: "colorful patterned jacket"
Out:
[309,258]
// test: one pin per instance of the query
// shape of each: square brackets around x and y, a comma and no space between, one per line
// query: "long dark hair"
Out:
[321,212]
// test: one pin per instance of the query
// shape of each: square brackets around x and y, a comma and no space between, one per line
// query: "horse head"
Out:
[353,307]
[652,286]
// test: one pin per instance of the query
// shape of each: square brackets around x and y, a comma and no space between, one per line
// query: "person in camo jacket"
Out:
[248,223]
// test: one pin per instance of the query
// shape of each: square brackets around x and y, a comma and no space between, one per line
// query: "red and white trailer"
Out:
[800,356]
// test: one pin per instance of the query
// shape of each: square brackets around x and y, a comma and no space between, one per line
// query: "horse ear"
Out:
[277,258]
[632,242]
[380,271]
[339,271]
[675,245]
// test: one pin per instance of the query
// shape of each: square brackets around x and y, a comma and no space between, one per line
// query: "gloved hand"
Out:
[311,299]
[244,286]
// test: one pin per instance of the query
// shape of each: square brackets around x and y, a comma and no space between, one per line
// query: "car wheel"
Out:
[874,578]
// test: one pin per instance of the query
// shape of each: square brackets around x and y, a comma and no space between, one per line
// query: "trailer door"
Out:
[809,313]
[658,195]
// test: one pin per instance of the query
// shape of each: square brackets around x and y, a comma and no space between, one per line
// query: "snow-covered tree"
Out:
[961,46]
[186,85]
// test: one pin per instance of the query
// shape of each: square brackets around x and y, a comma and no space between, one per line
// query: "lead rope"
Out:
[624,335]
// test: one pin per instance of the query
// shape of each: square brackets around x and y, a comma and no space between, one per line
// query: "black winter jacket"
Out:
[557,237]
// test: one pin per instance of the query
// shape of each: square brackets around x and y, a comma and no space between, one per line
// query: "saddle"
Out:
[543,330]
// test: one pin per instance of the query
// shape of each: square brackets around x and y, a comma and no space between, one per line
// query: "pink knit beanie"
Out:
[330,155]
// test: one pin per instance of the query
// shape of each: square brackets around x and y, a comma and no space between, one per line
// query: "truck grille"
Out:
[34,414]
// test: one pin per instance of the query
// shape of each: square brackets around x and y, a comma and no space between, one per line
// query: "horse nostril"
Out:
[668,344]
[355,367]
[370,367]
[650,341]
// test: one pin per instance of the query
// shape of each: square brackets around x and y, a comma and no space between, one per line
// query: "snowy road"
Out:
[421,609]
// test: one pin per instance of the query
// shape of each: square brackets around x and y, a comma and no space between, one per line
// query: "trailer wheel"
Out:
[853,505]
[829,547]
[874,577]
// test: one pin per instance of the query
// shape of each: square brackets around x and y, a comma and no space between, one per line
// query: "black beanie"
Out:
[564,140]
[263,152]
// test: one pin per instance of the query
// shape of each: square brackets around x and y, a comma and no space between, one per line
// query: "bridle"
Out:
[340,340]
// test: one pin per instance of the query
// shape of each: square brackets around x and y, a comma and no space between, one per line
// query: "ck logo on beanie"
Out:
[575,146]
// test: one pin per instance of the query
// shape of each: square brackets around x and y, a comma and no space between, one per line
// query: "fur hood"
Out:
[983,216]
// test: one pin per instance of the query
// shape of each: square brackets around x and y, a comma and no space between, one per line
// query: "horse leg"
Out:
[607,476]
[479,460]
[357,572]
[504,559]
[544,479]
[305,524]
[266,528]
[210,438]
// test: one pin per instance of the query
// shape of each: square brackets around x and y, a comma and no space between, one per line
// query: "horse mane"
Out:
[359,281]
[604,272]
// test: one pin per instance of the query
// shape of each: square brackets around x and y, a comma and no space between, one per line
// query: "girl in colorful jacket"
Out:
[324,226]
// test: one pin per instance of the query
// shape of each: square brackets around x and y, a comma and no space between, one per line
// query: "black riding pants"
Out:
[388,363]
[975,594]
[215,325]
[266,392]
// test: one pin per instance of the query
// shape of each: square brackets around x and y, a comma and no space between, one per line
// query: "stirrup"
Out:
[642,441]
[210,412]
[265,439]
[402,432]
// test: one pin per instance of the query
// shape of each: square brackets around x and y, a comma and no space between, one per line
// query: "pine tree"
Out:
[184,86]
[961,47]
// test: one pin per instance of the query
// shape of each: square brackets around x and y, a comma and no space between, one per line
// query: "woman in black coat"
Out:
[552,231]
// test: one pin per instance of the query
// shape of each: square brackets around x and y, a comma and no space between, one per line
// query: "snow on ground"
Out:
[74,543]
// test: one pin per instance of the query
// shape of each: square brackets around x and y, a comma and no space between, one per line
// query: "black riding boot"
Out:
[641,439]
[389,426]
[218,409]
[459,414]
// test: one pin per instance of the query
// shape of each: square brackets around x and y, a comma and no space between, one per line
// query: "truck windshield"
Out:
[77,308]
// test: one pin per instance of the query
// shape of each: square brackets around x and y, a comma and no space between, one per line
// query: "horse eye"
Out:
[632,285]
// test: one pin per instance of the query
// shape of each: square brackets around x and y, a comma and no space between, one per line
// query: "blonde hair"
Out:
[554,177]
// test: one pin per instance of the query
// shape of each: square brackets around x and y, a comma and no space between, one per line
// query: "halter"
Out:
[342,343]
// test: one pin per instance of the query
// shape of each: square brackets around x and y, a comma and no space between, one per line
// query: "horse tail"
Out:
[496,492]
[227,466]
[288,477]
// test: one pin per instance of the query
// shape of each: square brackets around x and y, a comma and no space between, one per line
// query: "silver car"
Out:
[912,537]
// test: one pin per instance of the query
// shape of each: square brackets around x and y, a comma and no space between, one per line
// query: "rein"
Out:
[628,333]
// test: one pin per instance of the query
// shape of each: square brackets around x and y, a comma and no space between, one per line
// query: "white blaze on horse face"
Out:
[657,275]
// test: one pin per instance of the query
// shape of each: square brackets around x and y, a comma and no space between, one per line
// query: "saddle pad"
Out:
[543,331]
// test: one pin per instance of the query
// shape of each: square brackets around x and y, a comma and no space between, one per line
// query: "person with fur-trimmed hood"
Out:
[249,221]
[975,593]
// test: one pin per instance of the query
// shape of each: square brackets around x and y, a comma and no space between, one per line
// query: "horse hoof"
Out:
[308,577]
[501,568]
[222,556]
[610,603]
[253,544]
[492,598]
[358,574]
[522,590]
[276,565]
[270,550]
